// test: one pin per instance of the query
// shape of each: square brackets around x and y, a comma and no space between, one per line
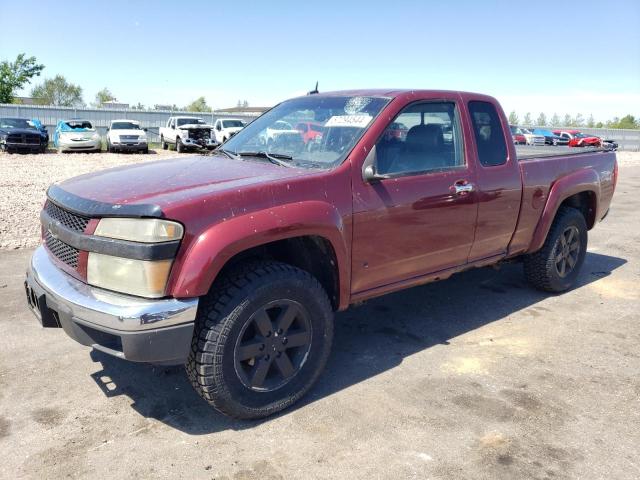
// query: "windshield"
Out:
[342,121]
[76,125]
[232,124]
[15,123]
[125,126]
[190,121]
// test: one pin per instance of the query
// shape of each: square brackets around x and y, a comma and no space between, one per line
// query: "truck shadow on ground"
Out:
[369,340]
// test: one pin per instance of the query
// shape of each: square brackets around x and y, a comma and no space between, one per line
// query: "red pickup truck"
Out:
[235,262]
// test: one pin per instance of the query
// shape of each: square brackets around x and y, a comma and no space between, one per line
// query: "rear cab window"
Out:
[488,133]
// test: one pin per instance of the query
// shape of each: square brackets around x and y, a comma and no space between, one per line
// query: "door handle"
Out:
[462,187]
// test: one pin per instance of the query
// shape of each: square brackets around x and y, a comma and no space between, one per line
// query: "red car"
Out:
[236,266]
[578,139]
[517,135]
[310,131]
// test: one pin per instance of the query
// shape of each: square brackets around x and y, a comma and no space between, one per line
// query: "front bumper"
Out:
[195,143]
[132,328]
[129,147]
[79,145]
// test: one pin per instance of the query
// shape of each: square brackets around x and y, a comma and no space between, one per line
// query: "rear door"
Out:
[498,181]
[422,217]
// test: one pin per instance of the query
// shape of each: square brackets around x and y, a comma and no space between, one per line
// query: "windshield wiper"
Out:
[275,158]
[228,153]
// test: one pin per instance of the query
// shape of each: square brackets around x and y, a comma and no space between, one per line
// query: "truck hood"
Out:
[167,183]
[191,126]
[19,131]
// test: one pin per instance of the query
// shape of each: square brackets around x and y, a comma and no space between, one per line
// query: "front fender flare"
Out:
[207,254]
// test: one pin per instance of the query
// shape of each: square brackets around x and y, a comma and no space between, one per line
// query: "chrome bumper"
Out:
[129,327]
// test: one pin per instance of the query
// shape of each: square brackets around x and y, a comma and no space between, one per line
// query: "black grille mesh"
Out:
[68,219]
[63,252]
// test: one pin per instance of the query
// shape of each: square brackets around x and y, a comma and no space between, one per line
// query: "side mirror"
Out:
[173,127]
[145,129]
[370,174]
[369,171]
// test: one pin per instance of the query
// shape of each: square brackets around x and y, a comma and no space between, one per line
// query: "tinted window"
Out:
[423,137]
[492,148]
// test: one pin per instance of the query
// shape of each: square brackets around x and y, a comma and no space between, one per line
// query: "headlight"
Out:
[135,277]
[146,230]
[96,136]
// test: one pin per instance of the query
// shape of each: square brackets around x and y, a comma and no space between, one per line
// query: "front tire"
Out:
[179,146]
[165,145]
[556,266]
[262,337]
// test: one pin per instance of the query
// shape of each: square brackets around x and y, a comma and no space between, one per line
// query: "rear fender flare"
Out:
[214,247]
[586,180]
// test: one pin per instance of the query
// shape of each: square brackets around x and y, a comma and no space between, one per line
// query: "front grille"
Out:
[128,138]
[24,138]
[200,134]
[70,220]
[63,252]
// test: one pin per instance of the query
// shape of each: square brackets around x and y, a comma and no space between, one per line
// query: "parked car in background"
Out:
[609,144]
[280,132]
[550,138]
[578,139]
[532,138]
[517,135]
[44,134]
[310,131]
[187,133]
[20,135]
[76,135]
[396,131]
[225,128]
[127,136]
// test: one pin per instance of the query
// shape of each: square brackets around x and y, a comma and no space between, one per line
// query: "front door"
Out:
[420,218]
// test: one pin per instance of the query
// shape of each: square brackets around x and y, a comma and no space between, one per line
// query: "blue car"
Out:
[550,138]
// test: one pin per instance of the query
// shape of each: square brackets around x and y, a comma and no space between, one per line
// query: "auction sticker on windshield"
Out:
[359,121]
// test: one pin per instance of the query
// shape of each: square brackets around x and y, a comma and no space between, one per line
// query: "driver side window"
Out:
[424,137]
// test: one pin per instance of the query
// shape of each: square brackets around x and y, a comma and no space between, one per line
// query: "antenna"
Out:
[314,91]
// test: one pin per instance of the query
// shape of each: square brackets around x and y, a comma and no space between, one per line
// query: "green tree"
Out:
[198,105]
[139,106]
[527,120]
[513,118]
[599,125]
[57,91]
[578,121]
[102,96]
[555,120]
[568,121]
[15,75]
[591,122]
[628,121]
[542,120]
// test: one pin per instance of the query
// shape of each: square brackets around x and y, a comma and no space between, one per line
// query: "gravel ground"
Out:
[25,179]
[475,377]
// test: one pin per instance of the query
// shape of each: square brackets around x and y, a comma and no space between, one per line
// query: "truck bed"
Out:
[528,152]
[543,167]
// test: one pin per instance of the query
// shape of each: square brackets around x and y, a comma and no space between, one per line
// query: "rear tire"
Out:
[262,337]
[556,266]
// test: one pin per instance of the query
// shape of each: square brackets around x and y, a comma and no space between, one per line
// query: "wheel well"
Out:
[585,202]
[313,254]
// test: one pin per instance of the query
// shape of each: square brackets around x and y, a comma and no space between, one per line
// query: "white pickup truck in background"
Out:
[187,133]
[225,128]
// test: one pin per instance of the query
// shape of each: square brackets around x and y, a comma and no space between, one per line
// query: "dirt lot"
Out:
[474,377]
[25,179]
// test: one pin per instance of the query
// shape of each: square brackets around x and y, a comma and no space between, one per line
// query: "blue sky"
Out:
[563,56]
